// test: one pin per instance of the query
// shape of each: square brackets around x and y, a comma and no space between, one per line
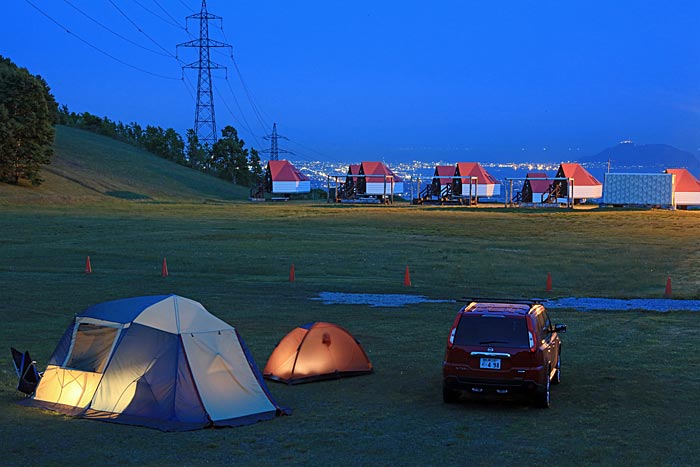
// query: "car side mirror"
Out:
[560,328]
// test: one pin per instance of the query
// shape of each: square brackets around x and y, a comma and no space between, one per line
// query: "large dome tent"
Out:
[160,361]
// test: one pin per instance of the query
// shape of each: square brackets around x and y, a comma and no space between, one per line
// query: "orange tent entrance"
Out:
[316,351]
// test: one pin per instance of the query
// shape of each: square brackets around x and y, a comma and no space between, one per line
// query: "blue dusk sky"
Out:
[453,80]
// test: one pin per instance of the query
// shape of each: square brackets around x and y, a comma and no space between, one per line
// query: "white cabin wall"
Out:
[291,187]
[485,190]
[687,198]
[374,188]
[588,192]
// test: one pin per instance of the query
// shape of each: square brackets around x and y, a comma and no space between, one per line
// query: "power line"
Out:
[240,109]
[188,7]
[254,105]
[175,21]
[171,22]
[256,109]
[169,54]
[235,99]
[89,44]
[244,123]
[249,95]
[141,30]
[112,31]
[259,112]
[187,81]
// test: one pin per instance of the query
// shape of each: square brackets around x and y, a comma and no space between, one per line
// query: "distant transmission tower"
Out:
[204,117]
[274,150]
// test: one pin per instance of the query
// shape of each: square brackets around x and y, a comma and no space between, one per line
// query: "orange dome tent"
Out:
[316,351]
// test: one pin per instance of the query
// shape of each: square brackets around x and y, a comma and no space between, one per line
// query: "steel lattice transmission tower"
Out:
[274,150]
[204,116]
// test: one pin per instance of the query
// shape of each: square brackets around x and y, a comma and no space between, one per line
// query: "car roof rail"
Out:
[516,301]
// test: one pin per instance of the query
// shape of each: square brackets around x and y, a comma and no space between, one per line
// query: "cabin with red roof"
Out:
[536,188]
[348,189]
[353,172]
[585,185]
[442,180]
[486,184]
[281,177]
[351,179]
[686,188]
[378,180]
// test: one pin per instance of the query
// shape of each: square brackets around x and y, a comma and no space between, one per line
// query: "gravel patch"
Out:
[374,300]
[651,304]
[579,304]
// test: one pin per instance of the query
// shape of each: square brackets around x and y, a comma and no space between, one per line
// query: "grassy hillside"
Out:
[90,167]
[630,381]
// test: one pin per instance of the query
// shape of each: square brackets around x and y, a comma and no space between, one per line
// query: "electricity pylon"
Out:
[204,116]
[274,150]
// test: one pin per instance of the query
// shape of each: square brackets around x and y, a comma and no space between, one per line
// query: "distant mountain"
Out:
[646,156]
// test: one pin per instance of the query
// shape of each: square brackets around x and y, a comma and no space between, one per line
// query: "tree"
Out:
[175,146]
[134,132]
[50,100]
[89,122]
[256,169]
[27,113]
[196,154]
[230,159]
[153,140]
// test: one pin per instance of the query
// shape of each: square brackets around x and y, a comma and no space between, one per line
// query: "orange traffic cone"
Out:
[667,294]
[164,271]
[407,278]
[291,273]
[549,282]
[88,266]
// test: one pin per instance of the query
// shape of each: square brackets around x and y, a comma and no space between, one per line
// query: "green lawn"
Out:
[630,393]
[87,167]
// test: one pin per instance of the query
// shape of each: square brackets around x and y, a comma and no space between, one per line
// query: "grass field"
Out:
[630,393]
[91,168]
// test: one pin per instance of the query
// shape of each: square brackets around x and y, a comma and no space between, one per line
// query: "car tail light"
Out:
[453,331]
[531,335]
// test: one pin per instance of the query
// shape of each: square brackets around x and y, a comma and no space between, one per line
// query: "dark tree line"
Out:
[228,158]
[27,114]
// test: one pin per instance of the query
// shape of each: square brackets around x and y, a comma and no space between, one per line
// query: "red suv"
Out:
[502,348]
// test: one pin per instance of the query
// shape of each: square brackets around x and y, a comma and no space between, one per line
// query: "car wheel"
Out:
[542,396]
[557,372]
[449,396]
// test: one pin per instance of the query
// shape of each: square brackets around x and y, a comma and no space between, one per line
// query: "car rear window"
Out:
[494,330]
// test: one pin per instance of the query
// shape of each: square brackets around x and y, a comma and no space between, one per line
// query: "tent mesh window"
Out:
[91,347]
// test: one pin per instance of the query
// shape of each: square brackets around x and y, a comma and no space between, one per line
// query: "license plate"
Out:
[490,363]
